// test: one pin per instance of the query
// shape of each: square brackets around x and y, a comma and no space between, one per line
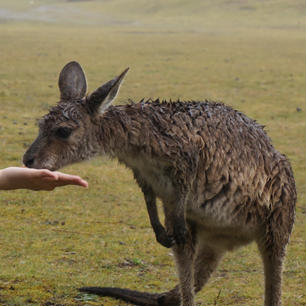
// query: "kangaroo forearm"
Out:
[153,214]
[160,232]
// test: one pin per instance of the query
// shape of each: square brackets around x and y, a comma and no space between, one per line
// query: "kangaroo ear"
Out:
[101,98]
[72,82]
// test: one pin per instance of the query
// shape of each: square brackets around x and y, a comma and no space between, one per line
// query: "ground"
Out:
[248,54]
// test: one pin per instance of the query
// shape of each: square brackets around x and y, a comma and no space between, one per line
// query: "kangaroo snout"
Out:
[28,162]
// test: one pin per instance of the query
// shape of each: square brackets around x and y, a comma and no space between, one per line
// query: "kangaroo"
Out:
[221,182]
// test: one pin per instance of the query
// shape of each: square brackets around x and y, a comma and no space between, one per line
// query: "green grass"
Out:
[249,54]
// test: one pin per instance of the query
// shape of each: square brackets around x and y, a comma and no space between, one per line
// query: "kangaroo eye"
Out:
[63,132]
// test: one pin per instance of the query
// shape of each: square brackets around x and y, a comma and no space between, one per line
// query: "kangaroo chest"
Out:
[154,174]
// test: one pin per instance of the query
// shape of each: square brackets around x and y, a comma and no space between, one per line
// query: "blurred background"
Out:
[248,54]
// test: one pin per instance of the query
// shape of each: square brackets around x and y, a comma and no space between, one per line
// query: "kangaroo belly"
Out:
[225,225]
[226,238]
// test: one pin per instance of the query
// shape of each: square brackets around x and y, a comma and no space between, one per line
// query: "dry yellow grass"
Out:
[53,243]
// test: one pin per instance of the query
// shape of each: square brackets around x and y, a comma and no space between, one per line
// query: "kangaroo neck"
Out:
[117,128]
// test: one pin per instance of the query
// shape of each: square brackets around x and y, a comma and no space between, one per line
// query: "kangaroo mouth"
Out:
[35,163]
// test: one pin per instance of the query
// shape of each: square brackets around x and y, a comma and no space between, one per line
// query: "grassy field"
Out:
[248,54]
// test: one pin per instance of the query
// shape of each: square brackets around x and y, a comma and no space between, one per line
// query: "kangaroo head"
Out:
[66,134]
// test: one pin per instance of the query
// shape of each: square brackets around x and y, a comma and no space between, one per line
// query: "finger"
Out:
[67,179]
[81,183]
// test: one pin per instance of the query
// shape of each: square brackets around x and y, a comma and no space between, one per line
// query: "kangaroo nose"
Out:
[29,162]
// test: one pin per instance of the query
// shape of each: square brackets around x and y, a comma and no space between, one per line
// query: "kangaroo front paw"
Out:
[179,233]
[164,239]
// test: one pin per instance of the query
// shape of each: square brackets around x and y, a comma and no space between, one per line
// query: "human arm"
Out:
[36,179]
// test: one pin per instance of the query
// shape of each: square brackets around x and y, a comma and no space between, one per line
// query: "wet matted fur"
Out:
[222,183]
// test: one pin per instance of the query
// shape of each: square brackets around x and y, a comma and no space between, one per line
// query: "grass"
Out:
[251,58]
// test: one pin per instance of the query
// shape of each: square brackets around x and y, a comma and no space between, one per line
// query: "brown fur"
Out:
[221,182]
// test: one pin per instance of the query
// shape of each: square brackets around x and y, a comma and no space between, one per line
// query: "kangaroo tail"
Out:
[134,297]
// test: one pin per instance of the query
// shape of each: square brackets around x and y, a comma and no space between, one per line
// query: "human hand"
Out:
[36,179]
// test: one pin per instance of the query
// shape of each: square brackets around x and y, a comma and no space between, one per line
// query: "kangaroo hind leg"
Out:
[183,254]
[272,246]
[205,263]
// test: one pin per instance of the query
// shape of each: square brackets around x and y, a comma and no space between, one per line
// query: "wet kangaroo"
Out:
[221,182]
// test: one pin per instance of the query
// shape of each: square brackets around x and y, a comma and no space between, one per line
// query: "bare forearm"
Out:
[9,181]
